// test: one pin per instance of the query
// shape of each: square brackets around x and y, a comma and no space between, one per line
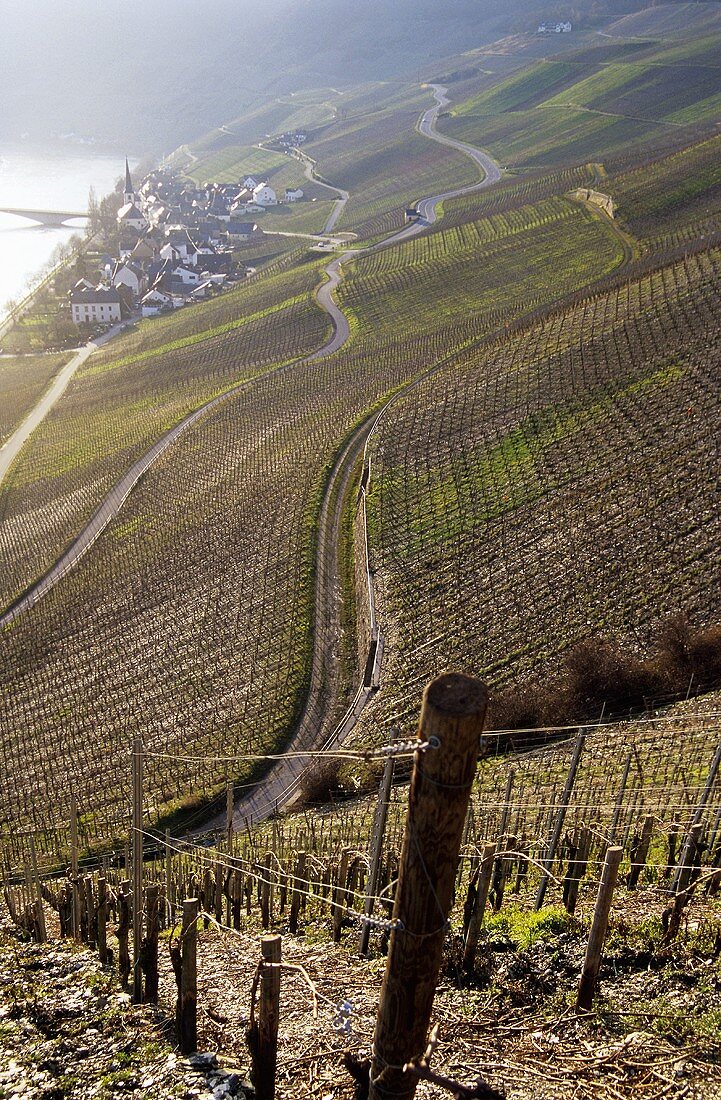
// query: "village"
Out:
[176,244]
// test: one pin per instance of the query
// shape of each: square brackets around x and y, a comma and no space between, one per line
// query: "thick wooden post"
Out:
[599,927]
[137,867]
[479,905]
[268,1019]
[452,717]
[379,828]
[560,818]
[186,1010]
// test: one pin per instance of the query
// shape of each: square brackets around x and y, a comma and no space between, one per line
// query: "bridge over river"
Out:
[45,219]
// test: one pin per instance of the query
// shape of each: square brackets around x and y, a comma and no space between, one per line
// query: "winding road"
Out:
[315,729]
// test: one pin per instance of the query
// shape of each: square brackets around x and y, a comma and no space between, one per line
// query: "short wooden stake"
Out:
[451,721]
[339,894]
[102,921]
[299,885]
[42,931]
[479,905]
[599,927]
[187,1006]
[268,1019]
[639,851]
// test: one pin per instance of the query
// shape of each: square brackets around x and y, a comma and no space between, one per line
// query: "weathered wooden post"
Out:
[479,905]
[123,931]
[42,930]
[266,1053]
[299,884]
[150,945]
[186,1010]
[560,818]
[339,894]
[102,921]
[451,724]
[170,908]
[599,927]
[137,867]
[229,811]
[639,851]
[74,867]
[379,828]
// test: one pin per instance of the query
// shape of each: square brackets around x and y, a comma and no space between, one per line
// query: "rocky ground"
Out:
[67,1029]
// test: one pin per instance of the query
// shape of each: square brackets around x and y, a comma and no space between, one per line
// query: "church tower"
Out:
[129,195]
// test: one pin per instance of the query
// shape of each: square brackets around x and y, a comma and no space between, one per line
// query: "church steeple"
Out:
[129,194]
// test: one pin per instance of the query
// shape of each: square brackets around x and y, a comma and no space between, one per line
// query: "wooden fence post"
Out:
[639,851]
[150,945]
[339,894]
[122,932]
[137,868]
[599,927]
[479,905]
[186,1010]
[560,818]
[452,716]
[299,884]
[102,921]
[75,870]
[379,828]
[42,930]
[268,1019]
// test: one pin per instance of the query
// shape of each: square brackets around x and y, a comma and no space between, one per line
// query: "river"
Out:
[48,180]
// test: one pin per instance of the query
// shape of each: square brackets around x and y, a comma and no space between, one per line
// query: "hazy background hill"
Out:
[150,77]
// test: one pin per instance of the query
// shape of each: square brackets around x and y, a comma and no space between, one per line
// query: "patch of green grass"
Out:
[525,927]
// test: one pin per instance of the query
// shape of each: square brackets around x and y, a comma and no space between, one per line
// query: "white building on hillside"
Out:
[264,195]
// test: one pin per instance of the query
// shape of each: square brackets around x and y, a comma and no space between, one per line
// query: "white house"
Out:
[180,253]
[250,183]
[186,276]
[155,301]
[293,194]
[95,305]
[130,275]
[264,195]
